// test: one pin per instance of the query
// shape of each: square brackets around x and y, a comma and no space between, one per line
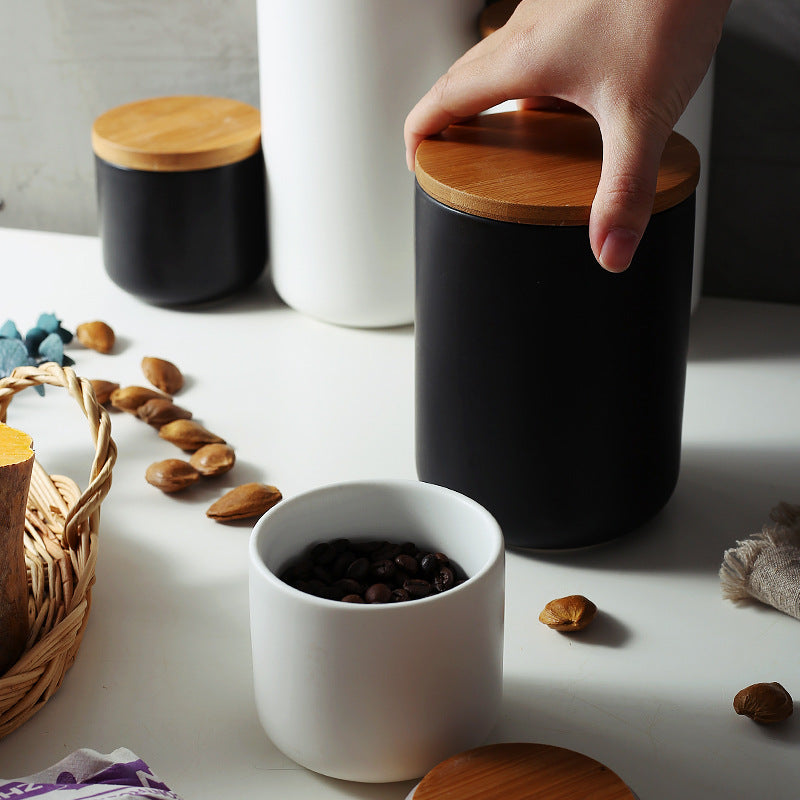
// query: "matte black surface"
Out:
[175,238]
[548,389]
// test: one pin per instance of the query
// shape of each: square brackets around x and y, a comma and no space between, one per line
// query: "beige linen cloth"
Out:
[766,566]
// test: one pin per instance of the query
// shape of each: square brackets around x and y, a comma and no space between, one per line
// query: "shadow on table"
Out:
[661,741]
[728,329]
[724,494]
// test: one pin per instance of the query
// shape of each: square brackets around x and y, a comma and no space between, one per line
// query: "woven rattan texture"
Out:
[61,537]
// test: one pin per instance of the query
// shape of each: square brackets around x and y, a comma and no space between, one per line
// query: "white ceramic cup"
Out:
[377,693]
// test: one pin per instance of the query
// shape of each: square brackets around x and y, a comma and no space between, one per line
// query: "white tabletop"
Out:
[164,668]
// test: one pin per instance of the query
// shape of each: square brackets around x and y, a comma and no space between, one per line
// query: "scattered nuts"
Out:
[188,434]
[162,374]
[103,390]
[247,500]
[571,613]
[764,702]
[213,459]
[96,336]
[130,398]
[171,475]
[159,411]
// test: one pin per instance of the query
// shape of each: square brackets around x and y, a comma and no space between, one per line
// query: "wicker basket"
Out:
[60,553]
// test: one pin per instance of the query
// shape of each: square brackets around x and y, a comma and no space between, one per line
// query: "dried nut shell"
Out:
[160,410]
[103,390]
[188,434]
[764,702]
[162,374]
[96,336]
[213,459]
[171,475]
[572,613]
[247,500]
[129,398]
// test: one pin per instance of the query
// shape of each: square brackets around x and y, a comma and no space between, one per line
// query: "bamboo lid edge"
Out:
[177,133]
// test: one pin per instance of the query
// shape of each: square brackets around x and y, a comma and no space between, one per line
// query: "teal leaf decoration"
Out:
[48,322]
[66,336]
[13,353]
[33,339]
[9,331]
[52,348]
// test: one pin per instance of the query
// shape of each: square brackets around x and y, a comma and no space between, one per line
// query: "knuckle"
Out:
[630,190]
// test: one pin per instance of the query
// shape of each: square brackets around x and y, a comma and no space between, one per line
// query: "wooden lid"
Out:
[177,134]
[535,167]
[521,771]
[495,15]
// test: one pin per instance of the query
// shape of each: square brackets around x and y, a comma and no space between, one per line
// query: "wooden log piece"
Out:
[16,466]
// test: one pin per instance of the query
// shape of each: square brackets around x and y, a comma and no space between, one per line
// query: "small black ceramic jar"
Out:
[547,389]
[181,197]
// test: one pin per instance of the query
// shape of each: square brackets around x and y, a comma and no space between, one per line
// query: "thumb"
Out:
[624,200]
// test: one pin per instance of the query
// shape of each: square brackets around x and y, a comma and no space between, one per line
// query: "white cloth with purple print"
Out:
[85,774]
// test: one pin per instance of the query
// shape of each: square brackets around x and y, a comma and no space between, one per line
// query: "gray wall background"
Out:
[63,62]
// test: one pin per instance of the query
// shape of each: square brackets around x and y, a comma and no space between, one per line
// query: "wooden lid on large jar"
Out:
[177,134]
[495,15]
[536,167]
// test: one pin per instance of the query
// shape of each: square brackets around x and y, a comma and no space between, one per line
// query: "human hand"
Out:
[632,65]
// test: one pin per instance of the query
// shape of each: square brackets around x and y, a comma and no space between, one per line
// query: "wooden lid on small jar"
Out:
[521,771]
[536,167]
[177,134]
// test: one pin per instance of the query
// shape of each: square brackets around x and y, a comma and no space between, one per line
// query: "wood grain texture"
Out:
[521,771]
[535,167]
[177,134]
[495,15]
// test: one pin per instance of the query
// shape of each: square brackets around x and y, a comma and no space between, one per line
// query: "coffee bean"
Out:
[323,553]
[378,593]
[341,563]
[382,571]
[358,569]
[418,588]
[387,551]
[371,571]
[445,579]
[407,563]
[429,564]
[322,574]
[349,586]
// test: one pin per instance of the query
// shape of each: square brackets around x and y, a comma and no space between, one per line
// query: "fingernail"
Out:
[618,248]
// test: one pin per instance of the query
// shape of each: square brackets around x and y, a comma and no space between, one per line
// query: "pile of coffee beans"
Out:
[371,571]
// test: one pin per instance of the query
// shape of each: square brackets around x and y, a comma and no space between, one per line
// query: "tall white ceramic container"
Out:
[337,79]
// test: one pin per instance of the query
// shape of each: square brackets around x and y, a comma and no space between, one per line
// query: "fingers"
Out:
[476,82]
[623,203]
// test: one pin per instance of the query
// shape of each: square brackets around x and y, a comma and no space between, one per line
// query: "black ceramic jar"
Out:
[181,197]
[547,389]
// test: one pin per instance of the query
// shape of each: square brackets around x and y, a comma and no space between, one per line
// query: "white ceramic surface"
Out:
[337,80]
[377,692]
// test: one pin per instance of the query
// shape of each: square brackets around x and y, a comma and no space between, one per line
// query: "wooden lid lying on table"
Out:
[536,167]
[521,771]
[177,134]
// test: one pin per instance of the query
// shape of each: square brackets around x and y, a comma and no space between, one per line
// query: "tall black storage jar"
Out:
[547,389]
